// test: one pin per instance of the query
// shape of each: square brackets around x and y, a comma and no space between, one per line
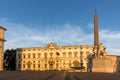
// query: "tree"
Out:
[10,59]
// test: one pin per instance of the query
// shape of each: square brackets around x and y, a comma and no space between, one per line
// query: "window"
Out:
[23,65]
[28,55]
[24,56]
[70,54]
[45,55]
[76,63]
[51,54]
[64,54]
[75,54]
[19,62]
[57,61]
[33,61]
[64,65]
[19,56]
[39,55]
[45,65]
[87,52]
[87,47]
[33,65]
[18,65]
[38,65]
[33,55]
[69,64]
[81,47]
[81,53]
[38,61]
[75,48]
[56,65]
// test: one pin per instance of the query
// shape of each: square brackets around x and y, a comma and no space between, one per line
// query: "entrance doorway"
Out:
[51,66]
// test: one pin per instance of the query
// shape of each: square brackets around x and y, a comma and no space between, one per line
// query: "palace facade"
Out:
[53,57]
[71,57]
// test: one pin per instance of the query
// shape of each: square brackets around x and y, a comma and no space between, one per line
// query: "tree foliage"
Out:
[10,59]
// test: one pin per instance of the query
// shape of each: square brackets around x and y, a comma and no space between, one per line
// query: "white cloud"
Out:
[90,25]
[20,35]
[111,39]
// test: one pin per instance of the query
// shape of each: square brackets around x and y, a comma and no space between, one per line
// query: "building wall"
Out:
[107,63]
[115,62]
[52,57]
[1,47]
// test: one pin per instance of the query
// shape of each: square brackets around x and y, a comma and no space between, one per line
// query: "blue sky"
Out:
[34,23]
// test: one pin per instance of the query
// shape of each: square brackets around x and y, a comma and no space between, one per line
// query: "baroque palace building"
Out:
[73,57]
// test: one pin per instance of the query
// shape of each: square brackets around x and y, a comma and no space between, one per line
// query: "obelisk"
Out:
[96,35]
[96,32]
[2,40]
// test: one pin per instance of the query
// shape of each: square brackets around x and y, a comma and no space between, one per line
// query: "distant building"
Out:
[2,40]
[73,57]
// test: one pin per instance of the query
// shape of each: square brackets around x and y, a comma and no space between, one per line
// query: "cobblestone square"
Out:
[56,75]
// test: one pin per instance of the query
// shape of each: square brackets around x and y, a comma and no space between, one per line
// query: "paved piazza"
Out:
[56,75]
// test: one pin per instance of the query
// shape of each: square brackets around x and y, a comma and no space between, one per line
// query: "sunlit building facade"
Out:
[52,57]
